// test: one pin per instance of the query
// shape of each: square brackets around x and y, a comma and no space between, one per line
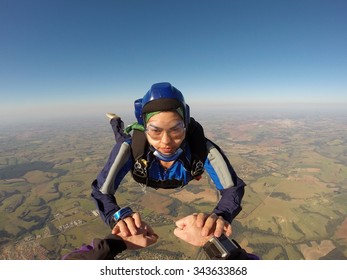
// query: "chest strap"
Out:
[159,184]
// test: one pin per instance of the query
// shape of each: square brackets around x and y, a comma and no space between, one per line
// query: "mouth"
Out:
[167,150]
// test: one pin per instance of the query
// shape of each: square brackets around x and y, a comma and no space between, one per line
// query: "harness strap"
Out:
[158,184]
[139,144]
[140,175]
[197,144]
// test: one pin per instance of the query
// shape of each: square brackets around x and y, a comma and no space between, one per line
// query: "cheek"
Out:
[152,142]
[178,142]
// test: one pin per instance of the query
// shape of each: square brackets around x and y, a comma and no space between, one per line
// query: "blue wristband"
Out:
[122,213]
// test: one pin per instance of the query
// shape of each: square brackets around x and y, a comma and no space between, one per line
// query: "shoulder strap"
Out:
[197,143]
[138,147]
[138,144]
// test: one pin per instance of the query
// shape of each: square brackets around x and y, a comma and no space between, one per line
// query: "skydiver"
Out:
[167,149]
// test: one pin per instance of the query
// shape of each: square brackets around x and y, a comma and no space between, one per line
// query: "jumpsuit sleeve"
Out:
[105,185]
[100,249]
[229,185]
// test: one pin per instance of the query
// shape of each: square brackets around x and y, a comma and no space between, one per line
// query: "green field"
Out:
[294,206]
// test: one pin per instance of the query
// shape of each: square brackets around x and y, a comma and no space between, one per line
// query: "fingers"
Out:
[115,230]
[144,237]
[128,226]
[121,228]
[137,219]
[209,225]
[135,232]
[228,229]
[215,225]
[200,219]
[191,233]
[219,227]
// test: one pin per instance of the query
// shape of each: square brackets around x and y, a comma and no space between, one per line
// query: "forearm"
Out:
[100,249]
[229,206]
[106,203]
[230,186]
[116,244]
[103,188]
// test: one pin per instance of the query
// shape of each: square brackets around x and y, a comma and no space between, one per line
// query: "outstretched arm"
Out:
[229,185]
[105,185]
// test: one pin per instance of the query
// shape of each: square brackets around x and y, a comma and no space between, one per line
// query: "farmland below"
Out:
[295,167]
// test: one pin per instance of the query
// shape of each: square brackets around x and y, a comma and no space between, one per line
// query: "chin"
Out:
[168,153]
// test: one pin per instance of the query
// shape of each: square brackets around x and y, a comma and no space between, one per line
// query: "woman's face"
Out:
[165,131]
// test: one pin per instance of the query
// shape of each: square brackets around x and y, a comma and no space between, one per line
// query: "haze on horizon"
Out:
[71,113]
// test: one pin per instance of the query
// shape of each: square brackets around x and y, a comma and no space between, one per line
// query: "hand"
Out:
[128,226]
[213,224]
[197,229]
[144,237]
[188,231]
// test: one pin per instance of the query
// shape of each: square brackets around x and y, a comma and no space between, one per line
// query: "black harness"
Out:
[142,154]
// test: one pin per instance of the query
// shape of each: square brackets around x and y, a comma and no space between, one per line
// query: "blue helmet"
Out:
[161,97]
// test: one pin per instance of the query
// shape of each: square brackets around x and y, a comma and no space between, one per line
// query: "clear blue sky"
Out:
[91,57]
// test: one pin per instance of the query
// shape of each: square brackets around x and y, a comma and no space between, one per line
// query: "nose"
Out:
[166,138]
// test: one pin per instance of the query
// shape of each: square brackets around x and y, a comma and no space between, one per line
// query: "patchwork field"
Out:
[294,207]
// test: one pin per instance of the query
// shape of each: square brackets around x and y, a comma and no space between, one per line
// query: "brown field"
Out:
[315,250]
[157,202]
[342,230]
[294,206]
[207,195]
